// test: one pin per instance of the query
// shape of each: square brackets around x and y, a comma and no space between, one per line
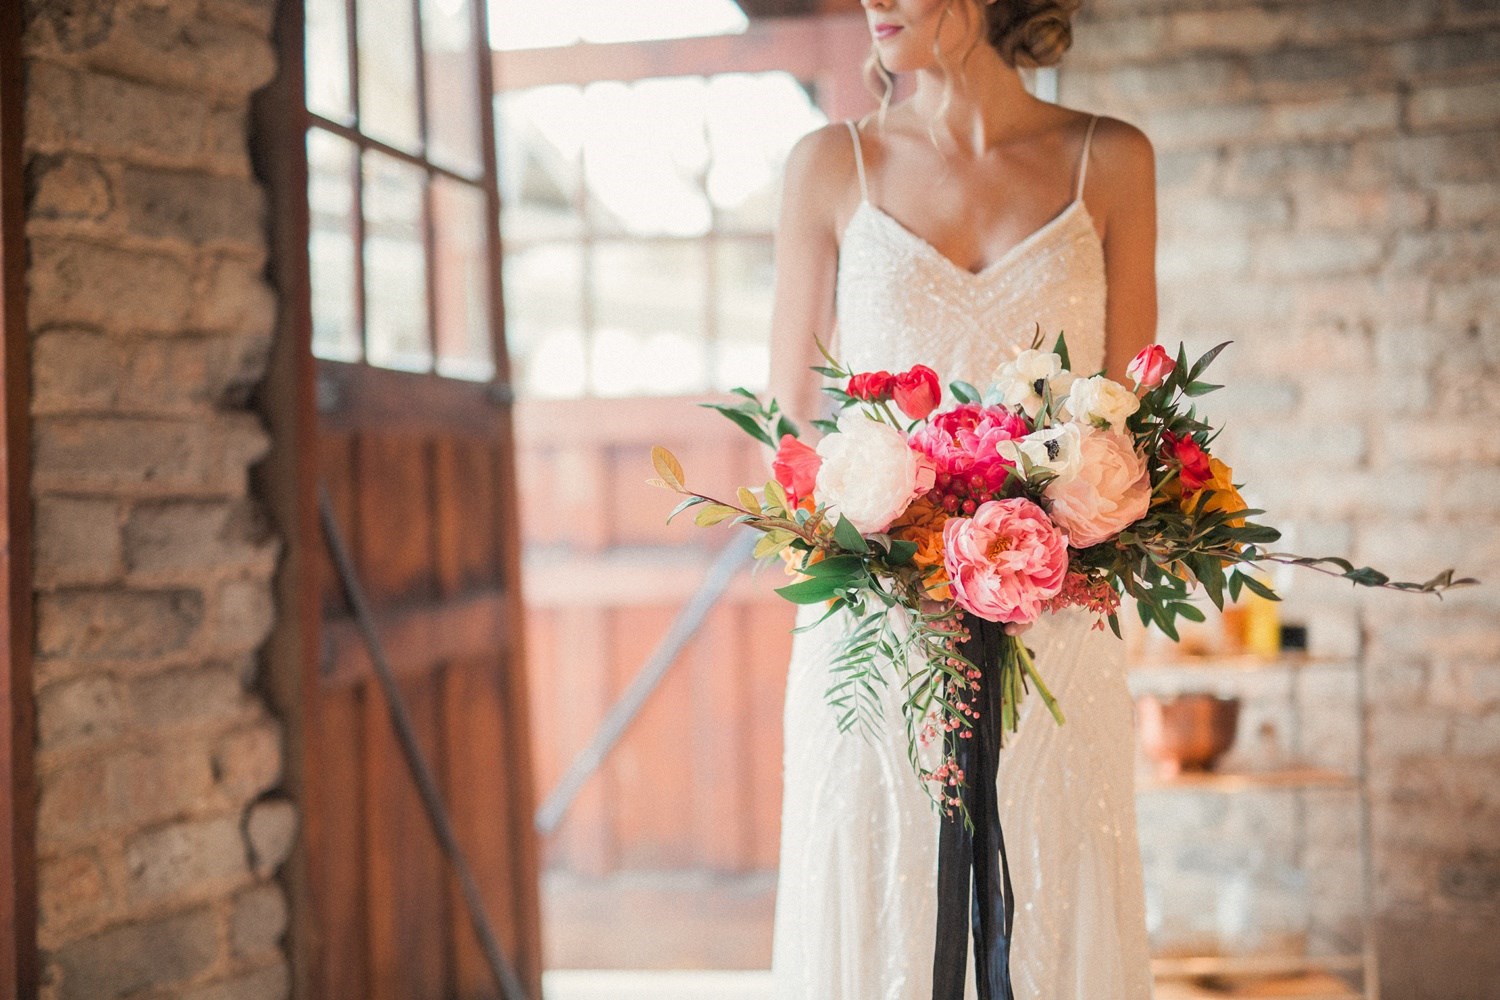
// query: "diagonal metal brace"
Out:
[511,987]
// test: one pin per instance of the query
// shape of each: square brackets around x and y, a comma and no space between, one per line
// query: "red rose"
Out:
[872,387]
[1194,460]
[1150,366]
[917,392]
[796,468]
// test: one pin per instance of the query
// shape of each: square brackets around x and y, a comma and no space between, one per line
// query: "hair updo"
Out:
[1029,33]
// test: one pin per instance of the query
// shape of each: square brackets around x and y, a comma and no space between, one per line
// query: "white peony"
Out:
[869,473]
[1111,491]
[1101,403]
[1052,449]
[1020,381]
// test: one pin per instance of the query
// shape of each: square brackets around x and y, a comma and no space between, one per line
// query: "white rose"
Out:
[1052,449]
[1101,403]
[869,474]
[1020,381]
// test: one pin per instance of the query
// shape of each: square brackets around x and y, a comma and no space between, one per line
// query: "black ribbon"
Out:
[989,910]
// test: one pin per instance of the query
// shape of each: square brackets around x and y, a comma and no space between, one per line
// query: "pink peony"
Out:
[796,468]
[1006,562]
[1110,491]
[1150,366]
[962,443]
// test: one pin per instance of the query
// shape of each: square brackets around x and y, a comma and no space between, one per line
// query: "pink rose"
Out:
[1111,491]
[1006,562]
[917,392]
[796,468]
[1149,367]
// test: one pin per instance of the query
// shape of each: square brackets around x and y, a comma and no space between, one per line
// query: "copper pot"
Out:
[1186,732]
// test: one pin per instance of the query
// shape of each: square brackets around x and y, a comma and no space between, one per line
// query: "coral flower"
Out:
[796,468]
[1006,562]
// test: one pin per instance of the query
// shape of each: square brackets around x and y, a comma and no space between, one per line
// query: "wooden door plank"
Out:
[464,515]
[417,637]
[722,743]
[341,896]
[394,477]
[768,626]
[580,691]
[336,473]
[476,735]
[407,916]
[651,765]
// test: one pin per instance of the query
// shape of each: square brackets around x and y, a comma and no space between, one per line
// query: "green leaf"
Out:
[809,591]
[964,392]
[1256,587]
[776,494]
[848,536]
[713,513]
[1199,388]
[689,502]
[745,422]
[902,551]
[851,567]
[1061,350]
[771,543]
[742,391]
[748,500]
[1201,365]
[785,427]
[827,372]
[826,426]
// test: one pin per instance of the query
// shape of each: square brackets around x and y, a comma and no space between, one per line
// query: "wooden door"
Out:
[389,392]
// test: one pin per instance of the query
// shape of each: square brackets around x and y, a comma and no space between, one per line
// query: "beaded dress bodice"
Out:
[856,896]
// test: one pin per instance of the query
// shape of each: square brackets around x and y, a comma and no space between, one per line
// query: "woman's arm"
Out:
[1126,186]
[806,250]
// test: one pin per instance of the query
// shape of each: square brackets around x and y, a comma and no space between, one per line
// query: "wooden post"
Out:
[18,797]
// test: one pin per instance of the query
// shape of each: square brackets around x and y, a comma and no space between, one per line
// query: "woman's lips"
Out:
[886,30]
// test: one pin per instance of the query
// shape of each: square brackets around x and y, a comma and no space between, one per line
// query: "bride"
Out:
[941,231]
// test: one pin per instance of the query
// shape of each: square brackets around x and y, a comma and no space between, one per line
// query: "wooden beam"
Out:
[417,636]
[804,46]
[18,790]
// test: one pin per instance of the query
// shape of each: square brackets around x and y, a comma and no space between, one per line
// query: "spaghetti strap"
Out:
[1083,160]
[859,160]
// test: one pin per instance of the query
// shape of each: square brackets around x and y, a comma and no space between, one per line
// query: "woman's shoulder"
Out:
[820,168]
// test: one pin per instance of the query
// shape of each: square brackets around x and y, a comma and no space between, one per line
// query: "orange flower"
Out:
[797,560]
[923,523]
[1225,496]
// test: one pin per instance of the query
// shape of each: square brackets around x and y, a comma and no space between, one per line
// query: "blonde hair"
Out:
[1026,34]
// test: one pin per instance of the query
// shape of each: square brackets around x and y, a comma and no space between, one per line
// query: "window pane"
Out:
[753,121]
[645,153]
[452,84]
[388,72]
[327,59]
[742,311]
[544,320]
[540,140]
[461,292]
[330,246]
[395,265]
[649,305]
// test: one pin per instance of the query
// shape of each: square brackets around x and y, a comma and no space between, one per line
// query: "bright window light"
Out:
[533,24]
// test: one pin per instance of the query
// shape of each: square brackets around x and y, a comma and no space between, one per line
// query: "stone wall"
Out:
[1329,177]
[159,829]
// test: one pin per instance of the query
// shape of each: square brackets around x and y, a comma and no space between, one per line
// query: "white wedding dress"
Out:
[856,903]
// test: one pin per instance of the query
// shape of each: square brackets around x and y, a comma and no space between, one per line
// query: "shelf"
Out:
[1195,966]
[1230,783]
[1312,987]
[1239,663]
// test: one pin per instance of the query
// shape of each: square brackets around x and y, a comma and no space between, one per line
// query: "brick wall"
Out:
[159,828]
[1330,200]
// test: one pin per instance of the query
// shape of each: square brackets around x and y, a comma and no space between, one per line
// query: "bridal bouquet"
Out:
[1047,490]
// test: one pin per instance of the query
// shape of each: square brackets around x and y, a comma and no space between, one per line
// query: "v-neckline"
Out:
[992,266]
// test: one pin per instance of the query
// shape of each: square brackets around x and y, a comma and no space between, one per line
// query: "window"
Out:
[400,189]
